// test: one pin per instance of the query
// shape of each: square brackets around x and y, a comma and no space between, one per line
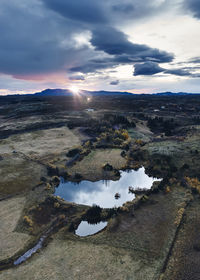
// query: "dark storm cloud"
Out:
[147,68]
[114,83]
[90,67]
[32,40]
[178,72]
[193,6]
[119,51]
[37,36]
[152,68]
[123,8]
[88,11]
[105,11]
[115,42]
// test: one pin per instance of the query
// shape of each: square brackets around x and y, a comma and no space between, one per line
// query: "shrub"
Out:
[77,176]
[125,135]
[179,216]
[28,221]
[123,153]
[56,205]
[73,152]
[52,170]
[139,142]
[107,167]
[194,183]
[56,179]
[185,166]
[47,186]
[93,215]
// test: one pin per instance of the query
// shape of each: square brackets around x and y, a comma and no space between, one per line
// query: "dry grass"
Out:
[40,143]
[91,166]
[19,174]
[11,241]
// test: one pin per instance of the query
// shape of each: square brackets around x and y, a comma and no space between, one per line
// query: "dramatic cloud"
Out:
[178,72]
[31,41]
[152,68]
[119,51]
[88,11]
[193,6]
[36,40]
[147,68]
[126,8]
[105,11]
[115,42]
[66,39]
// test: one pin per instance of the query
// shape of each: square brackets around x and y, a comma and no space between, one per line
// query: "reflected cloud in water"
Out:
[85,229]
[102,192]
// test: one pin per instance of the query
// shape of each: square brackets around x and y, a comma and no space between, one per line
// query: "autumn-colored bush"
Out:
[179,216]
[139,142]
[112,138]
[125,134]
[194,183]
[47,186]
[167,190]
[27,220]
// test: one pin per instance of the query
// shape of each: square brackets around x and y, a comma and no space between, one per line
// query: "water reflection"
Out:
[103,193]
[85,229]
[30,252]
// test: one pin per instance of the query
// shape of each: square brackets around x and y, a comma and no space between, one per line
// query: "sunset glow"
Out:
[74,89]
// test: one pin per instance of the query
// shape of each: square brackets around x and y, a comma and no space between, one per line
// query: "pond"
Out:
[106,194]
[85,229]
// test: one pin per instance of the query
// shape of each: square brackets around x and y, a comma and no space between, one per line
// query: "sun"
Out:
[74,89]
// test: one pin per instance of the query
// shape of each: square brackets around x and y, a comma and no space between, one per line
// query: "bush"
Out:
[73,152]
[56,205]
[107,167]
[52,170]
[28,221]
[77,176]
[93,215]
[123,153]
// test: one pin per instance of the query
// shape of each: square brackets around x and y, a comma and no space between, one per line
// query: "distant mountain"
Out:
[64,92]
[54,92]
[169,93]
[68,92]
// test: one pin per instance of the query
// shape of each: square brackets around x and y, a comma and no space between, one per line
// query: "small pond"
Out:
[103,193]
[85,229]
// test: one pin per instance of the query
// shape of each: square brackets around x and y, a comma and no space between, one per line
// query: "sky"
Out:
[141,46]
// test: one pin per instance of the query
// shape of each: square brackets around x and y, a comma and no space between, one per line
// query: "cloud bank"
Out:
[81,38]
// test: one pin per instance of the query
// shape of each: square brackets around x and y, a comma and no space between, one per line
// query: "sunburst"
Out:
[74,89]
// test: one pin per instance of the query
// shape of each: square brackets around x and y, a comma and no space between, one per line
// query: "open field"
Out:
[11,240]
[153,237]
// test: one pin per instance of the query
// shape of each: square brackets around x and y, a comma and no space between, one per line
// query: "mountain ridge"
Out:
[63,92]
[67,92]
